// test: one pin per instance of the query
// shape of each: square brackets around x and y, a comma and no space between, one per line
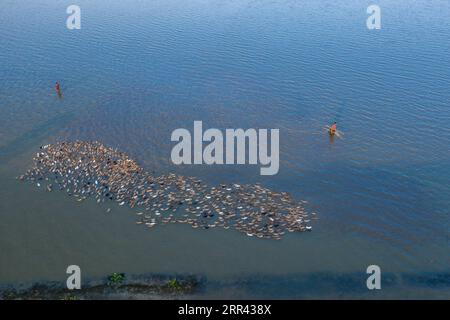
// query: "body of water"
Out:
[137,70]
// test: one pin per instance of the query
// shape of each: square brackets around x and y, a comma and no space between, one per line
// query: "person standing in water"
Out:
[333,129]
[58,89]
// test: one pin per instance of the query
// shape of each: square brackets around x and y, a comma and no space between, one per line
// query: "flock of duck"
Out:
[90,169]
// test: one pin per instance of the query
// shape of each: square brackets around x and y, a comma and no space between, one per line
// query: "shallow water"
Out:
[138,70]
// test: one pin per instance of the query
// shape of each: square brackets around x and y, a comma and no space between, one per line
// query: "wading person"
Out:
[332,129]
[58,89]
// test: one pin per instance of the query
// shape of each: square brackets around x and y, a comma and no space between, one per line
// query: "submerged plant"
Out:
[70,297]
[10,295]
[116,278]
[174,284]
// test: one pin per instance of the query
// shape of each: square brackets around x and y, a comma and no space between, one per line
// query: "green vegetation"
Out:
[10,295]
[116,278]
[70,297]
[115,286]
[174,285]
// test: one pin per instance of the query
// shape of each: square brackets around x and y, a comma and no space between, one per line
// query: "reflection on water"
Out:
[137,71]
[331,137]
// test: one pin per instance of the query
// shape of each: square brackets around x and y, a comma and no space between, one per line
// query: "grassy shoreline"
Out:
[114,286]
